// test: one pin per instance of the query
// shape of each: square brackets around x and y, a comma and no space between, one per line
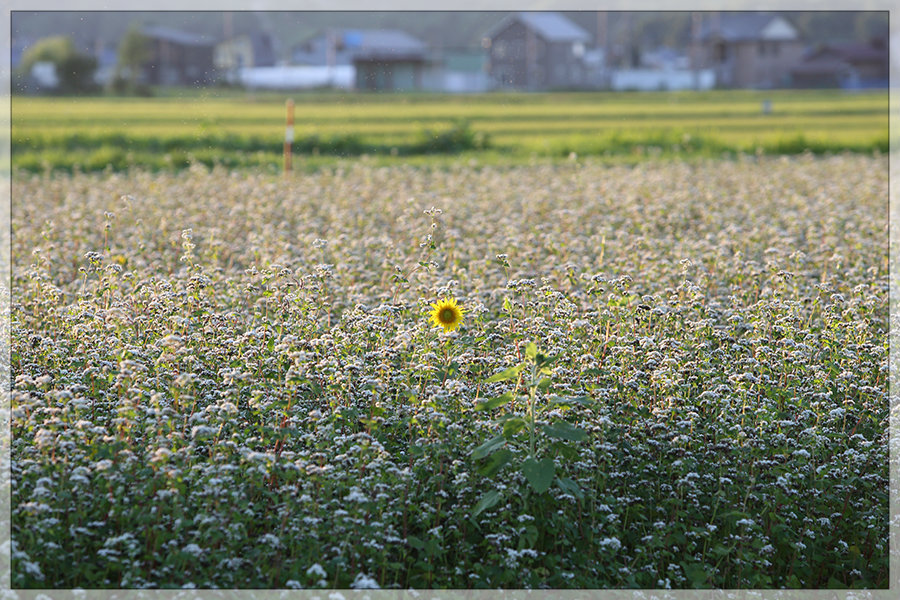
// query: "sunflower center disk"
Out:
[447,315]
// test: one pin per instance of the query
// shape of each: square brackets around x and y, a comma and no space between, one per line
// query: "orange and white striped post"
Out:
[289,137]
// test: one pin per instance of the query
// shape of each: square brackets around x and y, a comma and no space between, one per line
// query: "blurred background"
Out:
[132,52]
[98,90]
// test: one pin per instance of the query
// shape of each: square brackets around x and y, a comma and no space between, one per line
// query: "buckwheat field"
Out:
[571,375]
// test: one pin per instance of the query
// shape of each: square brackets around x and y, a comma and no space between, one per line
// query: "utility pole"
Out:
[530,59]
[331,53]
[603,43]
[229,59]
[695,48]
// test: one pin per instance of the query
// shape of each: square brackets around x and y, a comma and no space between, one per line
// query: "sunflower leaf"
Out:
[489,446]
[513,426]
[562,430]
[539,473]
[495,462]
[569,486]
[494,402]
[507,374]
[490,498]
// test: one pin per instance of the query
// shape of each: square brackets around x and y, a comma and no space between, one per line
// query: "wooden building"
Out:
[383,59]
[537,51]
[749,50]
[850,65]
[255,49]
[177,58]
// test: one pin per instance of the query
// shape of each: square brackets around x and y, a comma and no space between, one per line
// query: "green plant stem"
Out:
[532,387]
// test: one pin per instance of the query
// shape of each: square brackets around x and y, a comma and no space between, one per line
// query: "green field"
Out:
[671,369]
[238,129]
[667,374]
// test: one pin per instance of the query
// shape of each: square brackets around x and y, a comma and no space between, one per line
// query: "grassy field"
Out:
[236,130]
[667,374]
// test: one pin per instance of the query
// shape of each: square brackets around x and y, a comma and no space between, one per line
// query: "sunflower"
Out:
[447,314]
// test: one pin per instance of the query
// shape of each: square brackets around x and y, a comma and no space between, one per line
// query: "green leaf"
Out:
[567,451]
[544,383]
[490,498]
[696,573]
[835,584]
[415,542]
[488,447]
[513,426]
[451,370]
[569,486]
[539,473]
[543,362]
[370,423]
[494,402]
[529,537]
[563,431]
[495,462]
[507,374]
[531,350]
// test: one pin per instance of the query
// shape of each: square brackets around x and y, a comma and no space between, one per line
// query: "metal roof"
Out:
[552,26]
[382,40]
[174,35]
[353,44]
[736,27]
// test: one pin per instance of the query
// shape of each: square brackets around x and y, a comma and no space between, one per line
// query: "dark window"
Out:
[721,52]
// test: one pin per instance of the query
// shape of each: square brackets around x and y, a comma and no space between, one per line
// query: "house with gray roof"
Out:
[537,51]
[177,57]
[383,59]
[254,49]
[749,50]
[339,47]
[850,65]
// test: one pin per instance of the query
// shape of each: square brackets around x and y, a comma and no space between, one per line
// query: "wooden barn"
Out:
[177,58]
[537,51]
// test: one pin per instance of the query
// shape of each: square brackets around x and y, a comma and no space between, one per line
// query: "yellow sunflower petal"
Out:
[446,313]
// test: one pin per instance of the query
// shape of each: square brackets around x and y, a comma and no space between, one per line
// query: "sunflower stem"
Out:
[531,391]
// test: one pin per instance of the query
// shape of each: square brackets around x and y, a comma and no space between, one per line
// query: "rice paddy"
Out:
[234,130]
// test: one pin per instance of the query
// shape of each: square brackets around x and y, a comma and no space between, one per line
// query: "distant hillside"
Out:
[442,29]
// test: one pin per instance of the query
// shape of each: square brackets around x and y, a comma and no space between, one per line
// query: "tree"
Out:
[134,51]
[74,70]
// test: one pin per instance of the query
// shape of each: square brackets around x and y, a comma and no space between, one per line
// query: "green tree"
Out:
[75,70]
[134,51]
